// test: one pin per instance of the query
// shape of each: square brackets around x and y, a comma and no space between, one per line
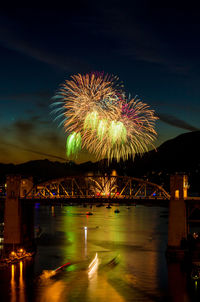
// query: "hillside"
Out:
[180,154]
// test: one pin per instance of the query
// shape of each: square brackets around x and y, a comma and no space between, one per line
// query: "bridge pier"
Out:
[18,216]
[177,223]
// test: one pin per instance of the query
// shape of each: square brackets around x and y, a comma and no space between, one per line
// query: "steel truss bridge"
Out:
[98,187]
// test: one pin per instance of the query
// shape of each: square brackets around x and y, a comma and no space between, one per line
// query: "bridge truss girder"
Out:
[101,186]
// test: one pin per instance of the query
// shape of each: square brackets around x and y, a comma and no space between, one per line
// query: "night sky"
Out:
[153,46]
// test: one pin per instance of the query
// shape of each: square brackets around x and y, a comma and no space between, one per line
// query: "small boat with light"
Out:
[117,211]
[89,213]
[195,274]
[108,207]
[15,257]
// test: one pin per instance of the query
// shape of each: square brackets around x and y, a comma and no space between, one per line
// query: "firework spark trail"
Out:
[103,185]
[98,117]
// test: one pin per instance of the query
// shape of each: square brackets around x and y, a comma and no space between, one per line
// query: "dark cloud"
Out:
[37,119]
[176,122]
[173,104]
[44,104]
[30,111]
[34,130]
[116,27]
[12,37]
[28,139]
[35,151]
[27,95]
[24,128]
[42,98]
[126,28]
[52,139]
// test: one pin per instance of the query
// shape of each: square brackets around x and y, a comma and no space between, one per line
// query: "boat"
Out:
[117,211]
[195,274]
[15,257]
[108,207]
[114,261]
[89,213]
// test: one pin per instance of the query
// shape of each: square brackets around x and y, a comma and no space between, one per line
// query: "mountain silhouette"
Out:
[177,155]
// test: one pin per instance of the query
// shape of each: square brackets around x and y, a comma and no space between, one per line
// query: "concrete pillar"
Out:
[177,228]
[12,214]
[26,185]
[18,217]
[177,283]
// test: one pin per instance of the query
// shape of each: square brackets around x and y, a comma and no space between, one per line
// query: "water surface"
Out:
[111,257]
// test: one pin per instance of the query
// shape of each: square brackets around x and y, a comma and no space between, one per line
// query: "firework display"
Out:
[97,116]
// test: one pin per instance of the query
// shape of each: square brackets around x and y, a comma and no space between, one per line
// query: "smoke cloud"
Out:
[176,122]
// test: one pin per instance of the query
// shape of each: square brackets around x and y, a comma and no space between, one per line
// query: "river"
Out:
[107,256]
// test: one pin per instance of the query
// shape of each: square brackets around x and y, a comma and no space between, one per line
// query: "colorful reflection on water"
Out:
[102,257]
[17,285]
